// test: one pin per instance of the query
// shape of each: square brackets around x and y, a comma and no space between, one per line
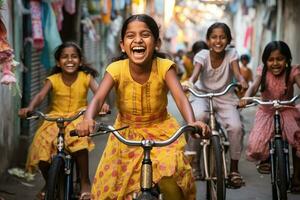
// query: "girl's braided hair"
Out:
[285,51]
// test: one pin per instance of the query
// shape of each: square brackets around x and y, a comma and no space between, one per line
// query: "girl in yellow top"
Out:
[141,79]
[68,85]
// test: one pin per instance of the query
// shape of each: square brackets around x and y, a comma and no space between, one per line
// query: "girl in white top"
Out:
[214,69]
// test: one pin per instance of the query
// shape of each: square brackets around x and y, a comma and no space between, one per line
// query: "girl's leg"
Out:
[82,161]
[169,188]
[44,168]
[230,119]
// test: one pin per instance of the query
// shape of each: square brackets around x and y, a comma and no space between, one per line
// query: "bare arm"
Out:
[182,102]
[297,80]
[85,127]
[179,96]
[237,74]
[94,87]
[252,90]
[37,99]
[196,72]
[96,103]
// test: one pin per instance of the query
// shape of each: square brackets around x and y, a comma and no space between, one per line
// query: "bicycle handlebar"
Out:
[275,103]
[145,142]
[212,94]
[38,114]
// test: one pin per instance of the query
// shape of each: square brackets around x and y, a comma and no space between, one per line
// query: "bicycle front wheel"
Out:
[216,189]
[279,188]
[56,180]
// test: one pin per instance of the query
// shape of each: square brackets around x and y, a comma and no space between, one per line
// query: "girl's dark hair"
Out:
[219,25]
[285,51]
[152,25]
[85,67]
[198,46]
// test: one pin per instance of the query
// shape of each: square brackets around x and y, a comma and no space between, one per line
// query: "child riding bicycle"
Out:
[68,85]
[214,69]
[142,78]
[275,78]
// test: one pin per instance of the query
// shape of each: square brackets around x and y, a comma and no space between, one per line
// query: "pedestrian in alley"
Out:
[275,78]
[245,72]
[214,69]
[68,85]
[142,78]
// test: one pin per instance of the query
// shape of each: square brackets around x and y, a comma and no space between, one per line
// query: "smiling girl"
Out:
[276,78]
[214,69]
[142,78]
[68,86]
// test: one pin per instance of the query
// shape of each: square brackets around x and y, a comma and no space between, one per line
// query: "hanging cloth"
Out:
[51,34]
[106,11]
[36,24]
[57,6]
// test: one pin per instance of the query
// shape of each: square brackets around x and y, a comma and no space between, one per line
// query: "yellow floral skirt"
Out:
[44,144]
[118,173]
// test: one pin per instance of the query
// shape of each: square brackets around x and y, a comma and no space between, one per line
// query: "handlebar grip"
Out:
[197,130]
[73,133]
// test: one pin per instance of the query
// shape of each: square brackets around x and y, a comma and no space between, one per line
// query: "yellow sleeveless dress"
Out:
[65,101]
[143,108]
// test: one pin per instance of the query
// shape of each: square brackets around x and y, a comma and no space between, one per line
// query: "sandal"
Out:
[263,168]
[85,196]
[235,180]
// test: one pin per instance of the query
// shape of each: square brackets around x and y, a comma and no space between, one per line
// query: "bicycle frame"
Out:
[215,144]
[280,175]
[68,161]
[278,136]
[146,182]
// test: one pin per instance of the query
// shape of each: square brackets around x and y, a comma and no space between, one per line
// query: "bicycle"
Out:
[60,183]
[279,149]
[214,150]
[148,191]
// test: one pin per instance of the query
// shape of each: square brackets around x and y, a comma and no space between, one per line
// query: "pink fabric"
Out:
[263,128]
[57,6]
[36,20]
[8,77]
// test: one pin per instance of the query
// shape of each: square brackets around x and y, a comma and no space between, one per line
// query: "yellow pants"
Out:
[170,190]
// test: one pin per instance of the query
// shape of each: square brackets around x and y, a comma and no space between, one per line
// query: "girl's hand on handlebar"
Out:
[242,103]
[202,126]
[186,84]
[105,108]
[23,112]
[244,84]
[85,127]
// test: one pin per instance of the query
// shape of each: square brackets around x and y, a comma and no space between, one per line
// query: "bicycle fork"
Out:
[146,177]
[278,136]
[205,146]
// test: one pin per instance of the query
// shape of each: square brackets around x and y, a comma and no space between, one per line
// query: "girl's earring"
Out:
[123,51]
[156,48]
[286,65]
